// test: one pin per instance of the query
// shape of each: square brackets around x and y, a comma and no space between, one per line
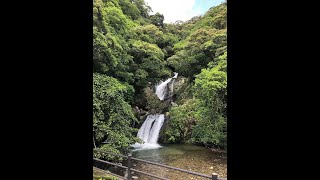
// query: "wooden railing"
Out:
[214,176]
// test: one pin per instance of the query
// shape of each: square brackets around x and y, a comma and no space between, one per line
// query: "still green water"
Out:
[189,157]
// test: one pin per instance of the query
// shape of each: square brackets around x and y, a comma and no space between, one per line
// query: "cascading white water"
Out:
[144,131]
[162,87]
[150,129]
[154,132]
[175,75]
[149,132]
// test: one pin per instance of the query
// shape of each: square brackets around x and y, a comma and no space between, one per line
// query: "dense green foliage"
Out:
[112,115]
[181,122]
[203,118]
[202,56]
[210,91]
[205,40]
[133,50]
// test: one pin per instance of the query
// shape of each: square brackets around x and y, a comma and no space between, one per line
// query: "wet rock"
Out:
[142,112]
[137,109]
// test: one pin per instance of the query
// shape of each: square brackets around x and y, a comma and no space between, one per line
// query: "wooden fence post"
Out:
[214,176]
[129,167]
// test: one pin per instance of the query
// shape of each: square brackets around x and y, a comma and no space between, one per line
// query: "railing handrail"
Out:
[107,162]
[171,167]
[213,177]
[158,164]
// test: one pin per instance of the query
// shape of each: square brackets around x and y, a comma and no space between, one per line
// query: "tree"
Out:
[109,45]
[129,9]
[149,64]
[182,119]
[143,8]
[157,19]
[197,50]
[210,90]
[148,33]
[112,115]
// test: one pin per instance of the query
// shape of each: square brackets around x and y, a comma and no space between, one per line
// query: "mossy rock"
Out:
[154,104]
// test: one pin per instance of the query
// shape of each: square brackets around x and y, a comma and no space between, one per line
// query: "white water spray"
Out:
[149,132]
[161,88]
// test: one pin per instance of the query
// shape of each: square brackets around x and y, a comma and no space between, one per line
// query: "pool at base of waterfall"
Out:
[186,156]
[145,146]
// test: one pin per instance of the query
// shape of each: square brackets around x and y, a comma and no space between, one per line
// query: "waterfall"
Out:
[149,132]
[175,75]
[161,88]
[144,131]
[150,129]
[154,132]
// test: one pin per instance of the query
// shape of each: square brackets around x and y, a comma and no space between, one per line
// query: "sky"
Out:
[174,10]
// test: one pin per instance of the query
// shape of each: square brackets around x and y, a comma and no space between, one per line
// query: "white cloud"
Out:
[173,10]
